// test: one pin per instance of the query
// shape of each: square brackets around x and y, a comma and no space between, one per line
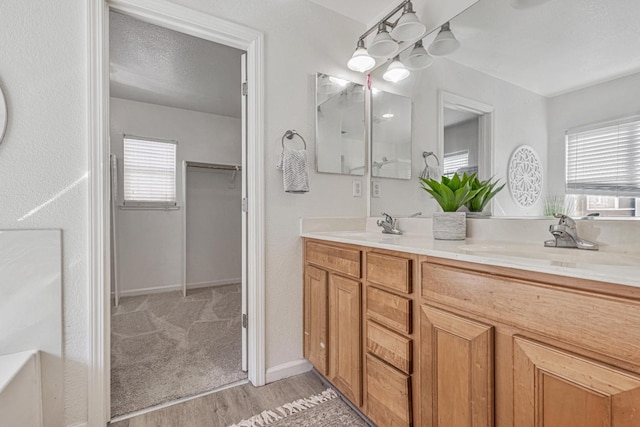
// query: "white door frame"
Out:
[208,27]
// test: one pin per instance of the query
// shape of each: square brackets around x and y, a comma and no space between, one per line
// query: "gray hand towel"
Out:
[293,164]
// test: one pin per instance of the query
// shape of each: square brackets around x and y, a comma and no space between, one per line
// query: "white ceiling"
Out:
[549,47]
[363,11]
[161,66]
[554,47]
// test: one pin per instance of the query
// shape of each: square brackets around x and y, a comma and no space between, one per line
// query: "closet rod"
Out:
[214,166]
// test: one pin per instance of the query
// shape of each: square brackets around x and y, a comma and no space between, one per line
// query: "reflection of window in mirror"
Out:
[602,176]
[466,136]
[461,142]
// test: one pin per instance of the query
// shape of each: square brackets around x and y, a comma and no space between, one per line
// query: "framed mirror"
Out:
[340,128]
[391,135]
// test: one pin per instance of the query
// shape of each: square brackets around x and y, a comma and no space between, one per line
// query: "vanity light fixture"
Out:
[408,26]
[361,61]
[418,58]
[445,42]
[383,46]
[396,71]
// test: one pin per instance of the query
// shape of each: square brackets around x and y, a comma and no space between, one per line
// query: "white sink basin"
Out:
[557,256]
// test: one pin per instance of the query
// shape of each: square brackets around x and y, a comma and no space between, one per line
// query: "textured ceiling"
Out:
[161,66]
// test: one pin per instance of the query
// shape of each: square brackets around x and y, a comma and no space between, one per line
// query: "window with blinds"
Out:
[604,159]
[149,172]
[455,161]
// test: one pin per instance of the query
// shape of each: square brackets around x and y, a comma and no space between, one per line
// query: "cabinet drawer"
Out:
[388,395]
[389,346]
[346,261]
[389,309]
[390,271]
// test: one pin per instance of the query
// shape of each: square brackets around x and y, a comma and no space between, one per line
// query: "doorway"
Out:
[177,238]
[213,29]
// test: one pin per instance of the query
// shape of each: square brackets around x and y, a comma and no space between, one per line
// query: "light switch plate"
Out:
[357,188]
[375,189]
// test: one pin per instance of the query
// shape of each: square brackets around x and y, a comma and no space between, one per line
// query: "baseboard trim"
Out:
[178,287]
[287,370]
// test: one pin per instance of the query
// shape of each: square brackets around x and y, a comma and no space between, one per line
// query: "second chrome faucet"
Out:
[565,235]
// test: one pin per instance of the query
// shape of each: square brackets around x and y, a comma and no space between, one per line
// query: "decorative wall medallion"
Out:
[3,115]
[525,176]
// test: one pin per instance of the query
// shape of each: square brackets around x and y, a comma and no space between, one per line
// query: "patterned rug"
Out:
[321,410]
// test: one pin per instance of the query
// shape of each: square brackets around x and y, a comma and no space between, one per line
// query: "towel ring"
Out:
[290,134]
[426,154]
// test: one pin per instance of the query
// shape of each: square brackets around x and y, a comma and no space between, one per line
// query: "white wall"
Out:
[214,227]
[520,118]
[43,161]
[606,101]
[150,241]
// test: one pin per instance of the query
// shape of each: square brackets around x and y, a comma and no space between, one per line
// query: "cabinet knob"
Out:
[321,345]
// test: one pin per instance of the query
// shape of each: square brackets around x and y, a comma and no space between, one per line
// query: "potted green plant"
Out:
[451,194]
[486,190]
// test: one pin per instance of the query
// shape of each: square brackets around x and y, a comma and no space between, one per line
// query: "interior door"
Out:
[244,94]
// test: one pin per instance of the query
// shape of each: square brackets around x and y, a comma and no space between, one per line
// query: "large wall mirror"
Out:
[340,129]
[544,68]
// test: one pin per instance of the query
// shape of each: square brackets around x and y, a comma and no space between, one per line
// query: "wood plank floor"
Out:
[229,406]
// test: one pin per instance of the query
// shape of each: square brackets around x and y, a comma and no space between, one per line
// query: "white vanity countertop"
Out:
[607,266]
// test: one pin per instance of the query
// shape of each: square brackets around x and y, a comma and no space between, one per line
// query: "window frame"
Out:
[156,204]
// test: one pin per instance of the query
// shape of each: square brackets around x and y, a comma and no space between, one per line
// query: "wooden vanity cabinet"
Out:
[513,348]
[333,316]
[359,326]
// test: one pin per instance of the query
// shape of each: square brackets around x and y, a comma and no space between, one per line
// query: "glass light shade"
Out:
[408,26]
[383,46]
[396,72]
[418,59]
[361,61]
[445,42]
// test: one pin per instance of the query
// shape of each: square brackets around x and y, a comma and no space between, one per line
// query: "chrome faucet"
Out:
[388,224]
[565,235]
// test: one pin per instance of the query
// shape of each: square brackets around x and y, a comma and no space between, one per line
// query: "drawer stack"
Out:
[389,339]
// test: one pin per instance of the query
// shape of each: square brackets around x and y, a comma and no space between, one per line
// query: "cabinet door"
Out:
[345,316]
[556,388]
[316,288]
[456,370]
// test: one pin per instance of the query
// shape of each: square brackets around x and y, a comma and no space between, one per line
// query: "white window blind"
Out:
[149,171]
[455,161]
[604,159]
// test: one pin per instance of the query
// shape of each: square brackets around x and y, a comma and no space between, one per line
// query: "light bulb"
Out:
[396,71]
[361,61]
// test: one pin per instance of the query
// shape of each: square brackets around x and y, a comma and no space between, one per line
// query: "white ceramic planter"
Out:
[449,225]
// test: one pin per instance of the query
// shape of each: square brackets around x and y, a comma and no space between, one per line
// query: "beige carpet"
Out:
[164,347]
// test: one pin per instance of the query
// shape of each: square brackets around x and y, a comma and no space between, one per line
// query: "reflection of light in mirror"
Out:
[55,197]
[375,91]
[338,81]
[387,116]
